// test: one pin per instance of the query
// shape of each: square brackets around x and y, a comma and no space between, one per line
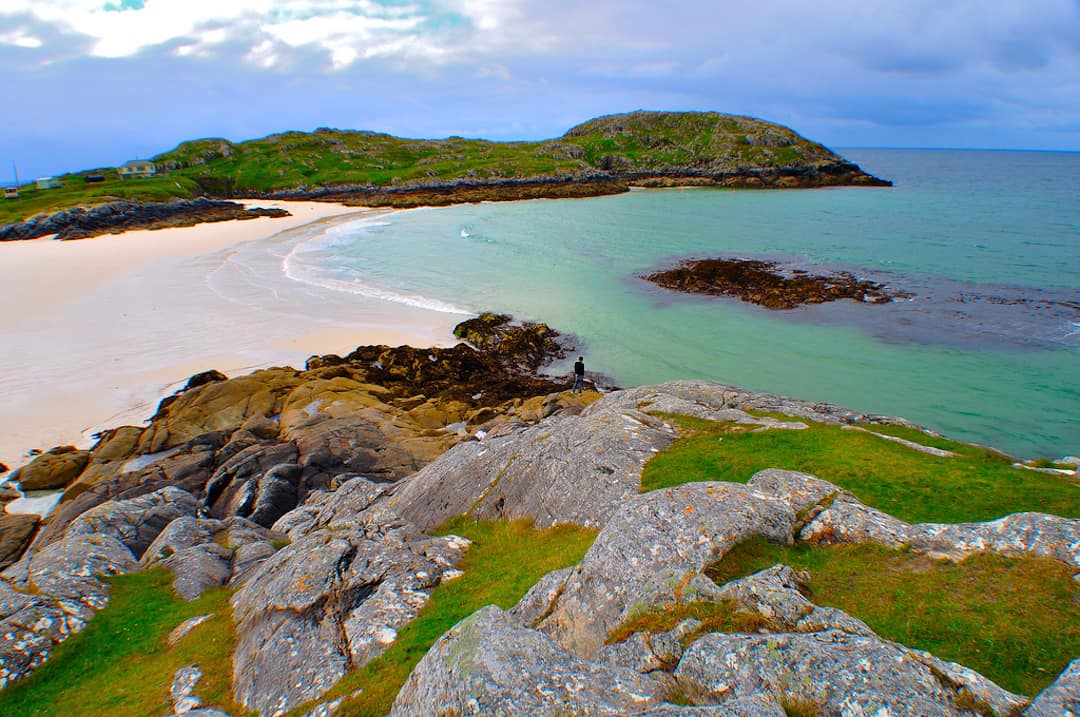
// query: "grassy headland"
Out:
[603,155]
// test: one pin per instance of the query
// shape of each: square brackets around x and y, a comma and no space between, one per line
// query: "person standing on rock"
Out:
[579,376]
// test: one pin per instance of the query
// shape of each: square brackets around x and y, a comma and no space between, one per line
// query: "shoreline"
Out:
[103,328]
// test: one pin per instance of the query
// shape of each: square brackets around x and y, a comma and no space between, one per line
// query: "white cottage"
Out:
[138,168]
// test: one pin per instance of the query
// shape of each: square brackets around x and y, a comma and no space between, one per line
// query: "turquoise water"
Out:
[986,351]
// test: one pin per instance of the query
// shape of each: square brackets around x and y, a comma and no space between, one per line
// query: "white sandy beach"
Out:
[93,333]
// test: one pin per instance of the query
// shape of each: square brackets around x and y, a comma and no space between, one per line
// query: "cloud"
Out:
[921,72]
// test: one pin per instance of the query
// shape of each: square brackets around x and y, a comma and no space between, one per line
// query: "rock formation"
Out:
[328,565]
[765,284]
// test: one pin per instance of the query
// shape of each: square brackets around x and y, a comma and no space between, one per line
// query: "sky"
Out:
[94,83]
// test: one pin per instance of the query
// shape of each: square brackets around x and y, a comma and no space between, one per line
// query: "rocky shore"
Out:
[766,284]
[128,215]
[312,494]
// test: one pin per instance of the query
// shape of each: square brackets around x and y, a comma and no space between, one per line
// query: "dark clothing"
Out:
[579,377]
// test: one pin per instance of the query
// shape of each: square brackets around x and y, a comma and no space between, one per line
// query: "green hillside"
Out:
[705,146]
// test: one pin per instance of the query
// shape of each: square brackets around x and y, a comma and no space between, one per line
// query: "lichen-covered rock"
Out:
[754,706]
[566,468]
[650,652]
[52,469]
[327,603]
[47,597]
[350,505]
[848,521]
[654,548]
[489,665]
[138,521]
[839,672]
[207,553]
[1062,698]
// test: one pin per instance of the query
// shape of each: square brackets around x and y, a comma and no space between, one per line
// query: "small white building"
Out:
[49,183]
[137,168]
[11,192]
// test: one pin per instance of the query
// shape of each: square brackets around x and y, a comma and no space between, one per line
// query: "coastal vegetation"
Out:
[122,664]
[975,484]
[1015,620]
[603,155]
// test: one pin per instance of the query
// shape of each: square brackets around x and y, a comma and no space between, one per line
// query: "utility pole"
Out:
[15,167]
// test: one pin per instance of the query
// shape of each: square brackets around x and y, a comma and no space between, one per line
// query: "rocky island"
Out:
[447,531]
[606,155]
[766,284]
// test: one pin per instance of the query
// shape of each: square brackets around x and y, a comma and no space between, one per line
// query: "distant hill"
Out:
[601,156]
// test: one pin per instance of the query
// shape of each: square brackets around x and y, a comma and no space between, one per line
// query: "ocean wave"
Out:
[313,273]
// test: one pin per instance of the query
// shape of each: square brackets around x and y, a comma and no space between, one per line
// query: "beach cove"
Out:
[95,332]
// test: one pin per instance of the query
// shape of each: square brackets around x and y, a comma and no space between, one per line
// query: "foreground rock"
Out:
[766,284]
[332,600]
[490,666]
[50,595]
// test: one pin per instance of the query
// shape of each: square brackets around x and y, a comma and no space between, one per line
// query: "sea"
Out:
[985,244]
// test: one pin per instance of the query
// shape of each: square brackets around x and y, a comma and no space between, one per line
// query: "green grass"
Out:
[976,485]
[1015,620]
[76,192]
[505,560]
[121,664]
[330,157]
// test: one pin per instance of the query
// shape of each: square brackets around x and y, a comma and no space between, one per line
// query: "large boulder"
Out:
[217,406]
[566,468]
[136,522]
[208,553]
[327,603]
[53,469]
[847,520]
[837,672]
[653,550]
[489,665]
[16,532]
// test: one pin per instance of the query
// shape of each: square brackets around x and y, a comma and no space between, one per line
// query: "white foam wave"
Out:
[357,288]
[295,268]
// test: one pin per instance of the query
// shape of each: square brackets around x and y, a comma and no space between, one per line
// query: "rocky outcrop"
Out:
[849,521]
[207,553]
[835,671]
[489,665]
[764,283]
[49,595]
[331,600]
[574,469]
[52,469]
[128,215]
[655,547]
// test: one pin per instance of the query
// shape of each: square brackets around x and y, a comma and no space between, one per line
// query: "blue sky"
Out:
[97,82]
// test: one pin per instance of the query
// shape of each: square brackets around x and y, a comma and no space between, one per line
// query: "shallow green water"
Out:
[988,242]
